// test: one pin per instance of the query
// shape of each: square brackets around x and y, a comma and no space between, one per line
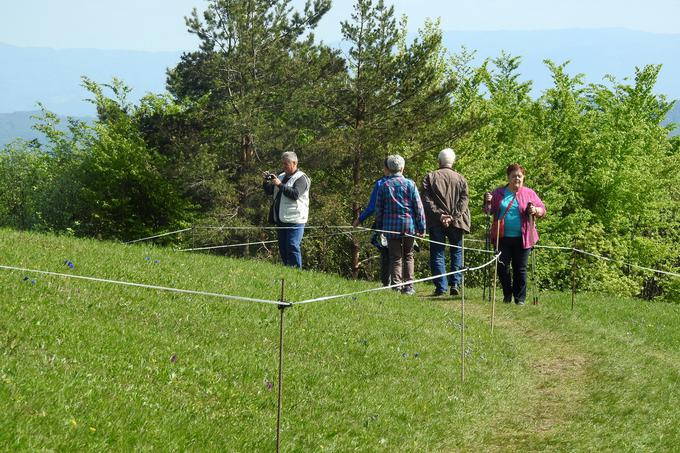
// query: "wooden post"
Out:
[462,315]
[573,277]
[279,404]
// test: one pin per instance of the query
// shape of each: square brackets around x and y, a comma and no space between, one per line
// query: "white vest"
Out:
[293,211]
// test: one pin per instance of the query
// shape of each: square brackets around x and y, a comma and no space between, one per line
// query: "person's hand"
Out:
[487,197]
[445,220]
[276,181]
[356,223]
[420,235]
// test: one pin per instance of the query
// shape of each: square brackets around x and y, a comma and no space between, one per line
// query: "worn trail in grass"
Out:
[87,366]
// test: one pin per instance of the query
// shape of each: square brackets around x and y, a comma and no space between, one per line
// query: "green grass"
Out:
[89,366]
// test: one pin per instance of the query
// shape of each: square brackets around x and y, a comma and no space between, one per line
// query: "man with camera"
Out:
[290,207]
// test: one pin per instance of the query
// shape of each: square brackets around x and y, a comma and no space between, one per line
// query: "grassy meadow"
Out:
[88,366]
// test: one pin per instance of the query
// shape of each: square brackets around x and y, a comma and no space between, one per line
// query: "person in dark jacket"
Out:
[445,199]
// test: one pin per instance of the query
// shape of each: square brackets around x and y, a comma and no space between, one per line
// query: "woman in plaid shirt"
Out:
[399,211]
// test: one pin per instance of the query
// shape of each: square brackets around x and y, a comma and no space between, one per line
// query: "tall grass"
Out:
[92,366]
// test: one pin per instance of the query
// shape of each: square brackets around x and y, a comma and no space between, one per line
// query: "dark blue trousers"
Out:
[290,238]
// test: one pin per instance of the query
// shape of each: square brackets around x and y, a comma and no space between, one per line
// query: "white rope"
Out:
[553,247]
[226,246]
[338,296]
[626,264]
[256,227]
[425,239]
[142,285]
[255,243]
[159,235]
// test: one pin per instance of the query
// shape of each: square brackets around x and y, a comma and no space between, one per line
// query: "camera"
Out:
[269,176]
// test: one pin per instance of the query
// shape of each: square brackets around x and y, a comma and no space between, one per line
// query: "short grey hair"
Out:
[395,163]
[446,158]
[290,156]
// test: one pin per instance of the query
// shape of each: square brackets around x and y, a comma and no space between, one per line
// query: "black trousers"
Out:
[513,254]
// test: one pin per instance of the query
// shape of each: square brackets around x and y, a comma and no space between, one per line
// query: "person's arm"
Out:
[463,198]
[538,205]
[370,209]
[379,207]
[488,204]
[428,200]
[419,215]
[300,186]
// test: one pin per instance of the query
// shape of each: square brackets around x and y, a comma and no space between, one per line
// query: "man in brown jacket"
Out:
[445,199]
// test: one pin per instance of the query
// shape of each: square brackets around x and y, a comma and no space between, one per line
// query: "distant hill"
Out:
[19,125]
[593,52]
[31,74]
[674,117]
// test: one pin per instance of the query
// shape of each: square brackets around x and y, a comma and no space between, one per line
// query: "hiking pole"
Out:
[487,246]
[495,276]
[534,300]
[533,277]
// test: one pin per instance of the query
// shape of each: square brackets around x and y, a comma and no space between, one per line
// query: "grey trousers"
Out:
[401,260]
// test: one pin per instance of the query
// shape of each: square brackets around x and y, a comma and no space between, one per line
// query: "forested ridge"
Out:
[261,83]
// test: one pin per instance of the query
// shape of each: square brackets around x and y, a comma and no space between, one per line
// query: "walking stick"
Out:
[495,277]
[487,246]
[533,267]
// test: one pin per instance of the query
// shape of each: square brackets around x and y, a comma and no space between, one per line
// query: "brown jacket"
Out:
[445,191]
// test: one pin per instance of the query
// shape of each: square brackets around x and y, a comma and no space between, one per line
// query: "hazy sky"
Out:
[159,24]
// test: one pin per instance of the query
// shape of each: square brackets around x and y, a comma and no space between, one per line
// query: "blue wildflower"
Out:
[148,258]
[156,261]
[33,282]
[71,265]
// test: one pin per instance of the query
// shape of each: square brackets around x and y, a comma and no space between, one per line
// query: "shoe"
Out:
[438,293]
[519,302]
[507,301]
[408,291]
[454,291]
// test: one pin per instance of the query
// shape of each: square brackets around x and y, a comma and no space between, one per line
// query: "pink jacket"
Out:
[524,197]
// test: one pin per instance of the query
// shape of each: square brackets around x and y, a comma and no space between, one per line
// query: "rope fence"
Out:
[144,285]
[349,229]
[282,304]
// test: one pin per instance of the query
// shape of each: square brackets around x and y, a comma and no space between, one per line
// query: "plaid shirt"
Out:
[398,208]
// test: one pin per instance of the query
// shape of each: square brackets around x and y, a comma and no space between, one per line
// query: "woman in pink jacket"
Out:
[515,208]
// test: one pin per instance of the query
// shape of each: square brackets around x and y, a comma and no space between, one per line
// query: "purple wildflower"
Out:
[173,359]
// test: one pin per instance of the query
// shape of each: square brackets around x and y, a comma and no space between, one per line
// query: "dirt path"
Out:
[556,388]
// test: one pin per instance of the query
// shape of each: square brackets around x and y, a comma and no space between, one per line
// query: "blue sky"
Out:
[159,25]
